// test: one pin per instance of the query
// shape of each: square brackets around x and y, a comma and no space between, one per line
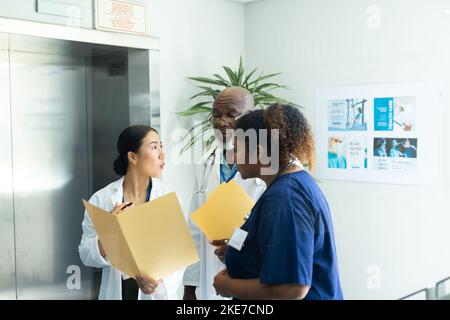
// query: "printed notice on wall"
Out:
[121,16]
[373,133]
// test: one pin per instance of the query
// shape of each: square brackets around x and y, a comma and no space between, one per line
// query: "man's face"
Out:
[224,117]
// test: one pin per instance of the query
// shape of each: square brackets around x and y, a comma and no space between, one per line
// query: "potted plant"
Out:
[259,84]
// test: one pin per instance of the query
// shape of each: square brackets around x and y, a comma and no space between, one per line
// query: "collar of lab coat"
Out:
[258,181]
[117,190]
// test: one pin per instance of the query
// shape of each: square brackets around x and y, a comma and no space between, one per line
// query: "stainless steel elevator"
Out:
[65,95]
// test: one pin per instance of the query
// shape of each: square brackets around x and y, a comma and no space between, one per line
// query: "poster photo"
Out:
[347,153]
[395,154]
[373,133]
[395,114]
[347,114]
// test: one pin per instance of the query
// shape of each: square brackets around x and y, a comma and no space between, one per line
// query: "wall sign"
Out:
[121,16]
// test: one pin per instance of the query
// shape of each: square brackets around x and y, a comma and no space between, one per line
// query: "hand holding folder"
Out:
[149,240]
[223,212]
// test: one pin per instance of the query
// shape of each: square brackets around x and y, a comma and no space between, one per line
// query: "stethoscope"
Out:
[206,173]
[208,166]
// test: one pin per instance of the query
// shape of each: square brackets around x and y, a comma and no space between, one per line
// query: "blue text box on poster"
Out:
[384,114]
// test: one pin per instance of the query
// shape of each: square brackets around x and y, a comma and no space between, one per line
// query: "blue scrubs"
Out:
[290,239]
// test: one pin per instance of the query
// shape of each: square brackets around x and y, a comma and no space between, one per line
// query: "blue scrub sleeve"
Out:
[286,241]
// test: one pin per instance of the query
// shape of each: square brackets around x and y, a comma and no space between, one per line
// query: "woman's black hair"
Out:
[129,140]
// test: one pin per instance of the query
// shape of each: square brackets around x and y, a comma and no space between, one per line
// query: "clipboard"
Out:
[224,211]
[151,239]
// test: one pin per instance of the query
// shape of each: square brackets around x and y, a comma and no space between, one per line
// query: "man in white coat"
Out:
[217,167]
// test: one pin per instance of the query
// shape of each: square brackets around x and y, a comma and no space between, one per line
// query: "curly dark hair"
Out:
[294,132]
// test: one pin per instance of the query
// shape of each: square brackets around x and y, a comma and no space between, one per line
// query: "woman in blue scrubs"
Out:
[289,250]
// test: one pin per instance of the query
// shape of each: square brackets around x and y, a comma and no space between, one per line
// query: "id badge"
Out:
[237,239]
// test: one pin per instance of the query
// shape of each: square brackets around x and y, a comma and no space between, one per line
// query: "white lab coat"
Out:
[111,285]
[202,273]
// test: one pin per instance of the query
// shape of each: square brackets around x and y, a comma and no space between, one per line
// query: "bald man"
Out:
[228,105]
[217,167]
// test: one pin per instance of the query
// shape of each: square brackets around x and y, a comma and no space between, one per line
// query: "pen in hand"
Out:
[128,205]
[120,207]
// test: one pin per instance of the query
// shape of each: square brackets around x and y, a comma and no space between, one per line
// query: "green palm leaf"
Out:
[198,108]
[232,75]
[209,81]
[207,92]
[263,77]
[209,88]
[226,82]
[245,84]
[240,73]
[270,86]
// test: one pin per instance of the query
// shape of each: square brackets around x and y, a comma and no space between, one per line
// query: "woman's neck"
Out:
[269,179]
[135,185]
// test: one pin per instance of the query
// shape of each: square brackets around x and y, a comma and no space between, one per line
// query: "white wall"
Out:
[403,230]
[197,38]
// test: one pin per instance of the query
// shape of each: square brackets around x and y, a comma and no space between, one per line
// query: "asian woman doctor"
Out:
[140,162]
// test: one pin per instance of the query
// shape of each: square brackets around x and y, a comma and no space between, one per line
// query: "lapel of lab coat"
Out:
[214,180]
[117,192]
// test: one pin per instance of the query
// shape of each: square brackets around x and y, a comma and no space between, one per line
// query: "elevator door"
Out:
[7,257]
[50,166]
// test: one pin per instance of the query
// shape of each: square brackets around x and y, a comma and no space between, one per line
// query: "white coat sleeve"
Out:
[88,249]
[172,284]
[192,273]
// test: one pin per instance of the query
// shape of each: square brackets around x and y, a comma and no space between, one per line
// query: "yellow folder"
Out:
[223,212]
[151,239]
